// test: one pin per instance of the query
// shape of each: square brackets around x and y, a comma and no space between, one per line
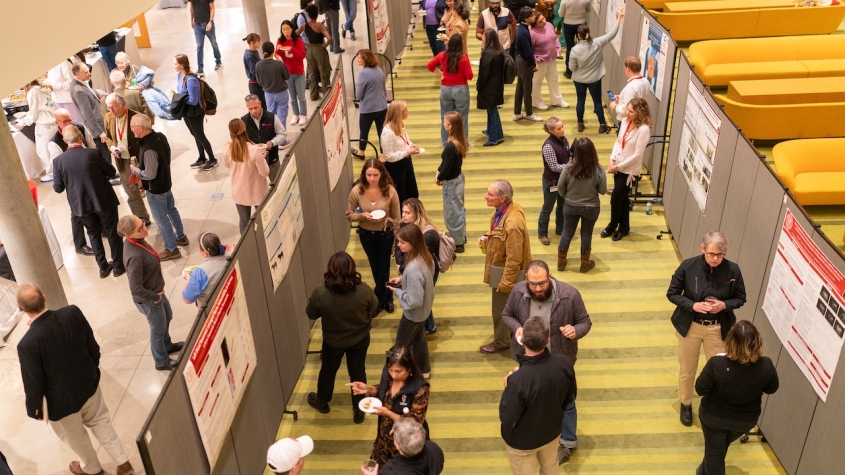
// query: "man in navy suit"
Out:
[84,174]
[60,362]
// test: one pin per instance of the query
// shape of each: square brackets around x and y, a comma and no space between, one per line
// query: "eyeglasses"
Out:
[538,284]
[142,226]
[713,255]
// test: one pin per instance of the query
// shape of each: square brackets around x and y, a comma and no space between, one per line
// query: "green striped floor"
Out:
[626,370]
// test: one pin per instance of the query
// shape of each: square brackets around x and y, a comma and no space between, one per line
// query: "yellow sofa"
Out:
[786,121]
[814,170]
[717,62]
[695,26]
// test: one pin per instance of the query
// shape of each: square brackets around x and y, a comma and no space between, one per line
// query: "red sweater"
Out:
[460,78]
[295,64]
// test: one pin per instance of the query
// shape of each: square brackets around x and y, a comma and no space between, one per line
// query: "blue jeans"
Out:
[550,198]
[454,212]
[166,216]
[109,53]
[454,98]
[158,316]
[200,34]
[296,90]
[350,9]
[277,103]
[567,431]
[581,94]
[494,125]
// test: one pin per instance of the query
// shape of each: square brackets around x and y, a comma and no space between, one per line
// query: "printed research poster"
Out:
[220,365]
[699,138]
[805,303]
[613,7]
[335,133]
[653,46]
[378,12]
[283,222]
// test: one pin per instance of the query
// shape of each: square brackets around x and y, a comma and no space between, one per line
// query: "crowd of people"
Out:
[90,142]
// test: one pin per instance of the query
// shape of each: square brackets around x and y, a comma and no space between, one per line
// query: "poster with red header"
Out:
[805,303]
[335,131]
[221,364]
[378,15]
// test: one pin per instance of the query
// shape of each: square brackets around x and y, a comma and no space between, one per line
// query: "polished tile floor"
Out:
[129,381]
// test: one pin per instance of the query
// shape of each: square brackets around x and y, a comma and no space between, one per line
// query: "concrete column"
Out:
[255,17]
[20,228]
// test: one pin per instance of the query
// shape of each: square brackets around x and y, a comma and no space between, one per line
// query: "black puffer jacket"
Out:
[694,280]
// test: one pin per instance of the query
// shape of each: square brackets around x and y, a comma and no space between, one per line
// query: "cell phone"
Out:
[611,95]
[395,285]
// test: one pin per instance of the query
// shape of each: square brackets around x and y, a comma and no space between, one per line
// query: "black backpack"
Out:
[209,98]
[509,69]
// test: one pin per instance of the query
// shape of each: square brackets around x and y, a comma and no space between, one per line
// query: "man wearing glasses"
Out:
[706,289]
[561,307]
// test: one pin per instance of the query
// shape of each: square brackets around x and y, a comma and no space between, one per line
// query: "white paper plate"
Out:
[378,214]
[519,340]
[369,405]
[475,63]
[422,150]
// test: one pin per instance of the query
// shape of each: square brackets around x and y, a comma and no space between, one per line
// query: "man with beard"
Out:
[497,18]
[560,306]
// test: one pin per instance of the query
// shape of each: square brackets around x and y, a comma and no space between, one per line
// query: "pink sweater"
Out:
[546,43]
[249,178]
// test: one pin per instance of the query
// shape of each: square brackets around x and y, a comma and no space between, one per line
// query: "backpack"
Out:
[509,69]
[295,19]
[446,255]
[209,98]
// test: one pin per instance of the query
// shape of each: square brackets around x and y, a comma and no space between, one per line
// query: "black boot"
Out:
[686,415]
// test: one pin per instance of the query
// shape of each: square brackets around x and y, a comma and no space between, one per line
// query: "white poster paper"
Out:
[805,303]
[613,8]
[378,12]
[653,46]
[699,138]
[335,131]
[220,365]
[283,222]
[596,6]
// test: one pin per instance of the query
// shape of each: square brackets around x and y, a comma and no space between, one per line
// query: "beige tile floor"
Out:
[129,381]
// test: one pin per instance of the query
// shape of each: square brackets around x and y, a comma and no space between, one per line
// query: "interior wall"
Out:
[73,25]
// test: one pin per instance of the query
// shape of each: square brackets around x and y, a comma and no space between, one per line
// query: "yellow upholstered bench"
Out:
[786,121]
[814,170]
[718,62]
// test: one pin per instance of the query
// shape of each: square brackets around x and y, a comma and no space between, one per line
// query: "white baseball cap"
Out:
[285,453]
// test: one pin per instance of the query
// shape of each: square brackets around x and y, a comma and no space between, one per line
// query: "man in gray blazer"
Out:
[87,103]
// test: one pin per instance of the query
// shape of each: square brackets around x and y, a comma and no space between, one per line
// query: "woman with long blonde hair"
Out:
[397,150]
[249,171]
[450,176]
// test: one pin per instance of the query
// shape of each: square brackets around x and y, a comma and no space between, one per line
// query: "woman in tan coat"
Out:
[456,24]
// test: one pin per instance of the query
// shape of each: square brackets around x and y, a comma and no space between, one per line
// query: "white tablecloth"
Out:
[55,249]
[32,166]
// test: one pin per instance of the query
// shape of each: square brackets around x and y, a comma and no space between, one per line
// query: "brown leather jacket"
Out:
[508,246]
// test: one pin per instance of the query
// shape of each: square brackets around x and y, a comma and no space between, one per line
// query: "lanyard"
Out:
[151,251]
[635,77]
[625,135]
[120,133]
[404,138]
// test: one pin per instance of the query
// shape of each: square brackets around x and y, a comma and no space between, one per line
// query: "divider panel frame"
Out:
[744,169]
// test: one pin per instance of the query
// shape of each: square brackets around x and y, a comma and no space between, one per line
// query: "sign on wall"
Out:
[653,46]
[335,132]
[699,138]
[220,365]
[805,303]
[283,223]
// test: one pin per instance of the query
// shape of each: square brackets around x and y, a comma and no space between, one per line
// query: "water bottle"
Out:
[133,83]
[648,207]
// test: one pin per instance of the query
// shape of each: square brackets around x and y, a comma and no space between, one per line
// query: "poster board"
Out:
[654,45]
[613,8]
[283,222]
[379,14]
[699,139]
[335,130]
[805,303]
[220,365]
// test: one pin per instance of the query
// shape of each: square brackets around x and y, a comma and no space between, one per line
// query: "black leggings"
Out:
[365,121]
[196,125]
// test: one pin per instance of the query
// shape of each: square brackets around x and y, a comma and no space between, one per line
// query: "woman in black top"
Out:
[731,386]
[491,86]
[451,178]
[344,302]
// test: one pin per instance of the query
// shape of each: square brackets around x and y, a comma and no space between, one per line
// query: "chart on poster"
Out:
[653,46]
[221,365]
[283,222]
[613,9]
[699,138]
[335,131]
[805,303]
[378,12]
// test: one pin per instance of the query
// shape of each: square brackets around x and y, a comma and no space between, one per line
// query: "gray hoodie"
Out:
[586,60]
[416,297]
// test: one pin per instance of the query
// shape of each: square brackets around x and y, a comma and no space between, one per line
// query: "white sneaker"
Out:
[563,104]
[294,120]
[47,178]
[517,117]
[542,107]
[534,117]
[303,119]
[426,375]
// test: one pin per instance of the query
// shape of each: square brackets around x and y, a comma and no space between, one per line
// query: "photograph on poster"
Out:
[613,8]
[221,364]
[283,222]
[596,6]
[335,132]
[699,138]
[653,46]
[801,278]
